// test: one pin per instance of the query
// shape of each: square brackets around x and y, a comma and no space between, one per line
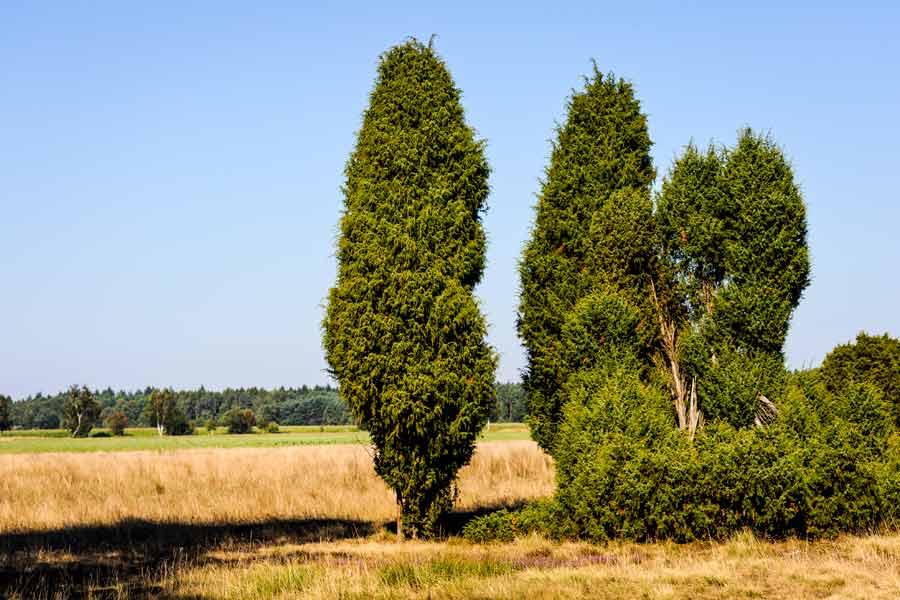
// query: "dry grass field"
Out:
[40,492]
[313,522]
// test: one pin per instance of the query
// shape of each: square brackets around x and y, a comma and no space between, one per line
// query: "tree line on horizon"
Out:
[305,405]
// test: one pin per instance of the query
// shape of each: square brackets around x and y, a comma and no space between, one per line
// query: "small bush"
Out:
[211,425]
[271,427]
[179,424]
[239,420]
[505,525]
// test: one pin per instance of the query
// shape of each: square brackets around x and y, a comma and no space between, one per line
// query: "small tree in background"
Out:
[163,412]
[116,421]
[873,359]
[5,413]
[403,333]
[80,411]
[239,420]
[159,408]
[592,241]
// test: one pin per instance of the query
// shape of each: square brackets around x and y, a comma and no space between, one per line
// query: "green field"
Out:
[36,441]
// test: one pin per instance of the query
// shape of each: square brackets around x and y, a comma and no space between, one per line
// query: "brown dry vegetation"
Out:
[377,567]
[308,522]
[41,492]
[743,567]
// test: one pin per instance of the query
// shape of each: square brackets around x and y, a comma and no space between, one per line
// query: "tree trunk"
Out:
[688,415]
[399,517]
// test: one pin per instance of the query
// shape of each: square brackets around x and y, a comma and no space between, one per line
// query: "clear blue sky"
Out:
[171,171]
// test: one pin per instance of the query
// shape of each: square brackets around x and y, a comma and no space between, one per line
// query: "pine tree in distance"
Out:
[403,334]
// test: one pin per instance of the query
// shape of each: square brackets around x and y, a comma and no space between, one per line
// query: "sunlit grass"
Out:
[38,441]
[250,485]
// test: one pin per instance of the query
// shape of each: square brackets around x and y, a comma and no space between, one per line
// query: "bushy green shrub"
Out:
[829,463]
[819,469]
[271,427]
[179,424]
[116,421]
[239,421]
[870,359]
[505,525]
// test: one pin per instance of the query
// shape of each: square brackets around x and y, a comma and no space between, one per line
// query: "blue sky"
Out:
[171,171]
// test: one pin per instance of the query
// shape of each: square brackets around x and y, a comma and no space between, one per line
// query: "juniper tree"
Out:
[592,241]
[403,334]
[733,265]
[873,359]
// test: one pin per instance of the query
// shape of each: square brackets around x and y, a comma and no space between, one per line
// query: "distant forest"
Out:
[319,405]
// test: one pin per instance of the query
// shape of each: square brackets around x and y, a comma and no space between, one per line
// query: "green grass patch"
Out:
[146,438]
[429,573]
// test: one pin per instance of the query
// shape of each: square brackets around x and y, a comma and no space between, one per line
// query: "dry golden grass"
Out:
[851,567]
[53,491]
[197,487]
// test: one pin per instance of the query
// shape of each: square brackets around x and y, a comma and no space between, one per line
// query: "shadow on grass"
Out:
[133,556]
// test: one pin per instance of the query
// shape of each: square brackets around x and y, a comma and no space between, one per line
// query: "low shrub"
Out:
[116,421]
[505,525]
[829,463]
[816,471]
[239,420]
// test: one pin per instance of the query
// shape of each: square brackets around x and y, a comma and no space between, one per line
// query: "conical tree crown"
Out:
[403,333]
[593,232]
[417,180]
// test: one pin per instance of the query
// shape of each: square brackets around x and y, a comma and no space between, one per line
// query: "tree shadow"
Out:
[134,555]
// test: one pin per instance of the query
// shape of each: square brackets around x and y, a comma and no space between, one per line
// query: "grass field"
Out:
[52,492]
[37,441]
[314,521]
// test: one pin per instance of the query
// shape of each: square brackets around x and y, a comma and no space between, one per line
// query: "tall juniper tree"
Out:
[735,263]
[703,284]
[403,334]
[591,244]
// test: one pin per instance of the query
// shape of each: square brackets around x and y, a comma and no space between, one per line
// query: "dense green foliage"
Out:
[695,290]
[630,309]
[592,240]
[827,464]
[870,359]
[239,420]
[5,413]
[80,411]
[733,266]
[403,333]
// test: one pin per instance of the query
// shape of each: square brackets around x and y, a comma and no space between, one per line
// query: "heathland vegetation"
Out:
[656,394]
